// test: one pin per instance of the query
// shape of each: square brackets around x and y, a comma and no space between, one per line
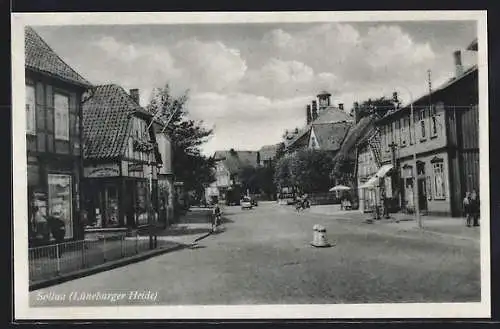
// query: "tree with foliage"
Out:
[310,170]
[380,106]
[265,178]
[282,174]
[249,180]
[187,136]
[280,151]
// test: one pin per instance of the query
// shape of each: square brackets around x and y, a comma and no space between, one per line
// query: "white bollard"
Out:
[319,237]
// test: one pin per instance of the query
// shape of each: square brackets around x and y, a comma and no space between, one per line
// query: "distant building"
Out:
[53,142]
[228,167]
[267,154]
[325,129]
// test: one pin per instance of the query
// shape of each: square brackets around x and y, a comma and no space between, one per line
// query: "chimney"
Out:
[314,111]
[356,112]
[134,93]
[341,106]
[459,69]
[308,114]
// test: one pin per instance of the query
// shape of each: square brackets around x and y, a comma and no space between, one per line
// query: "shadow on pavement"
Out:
[196,247]
[183,230]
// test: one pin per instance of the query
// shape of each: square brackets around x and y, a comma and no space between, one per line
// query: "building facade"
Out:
[54,154]
[443,134]
[121,161]
[367,166]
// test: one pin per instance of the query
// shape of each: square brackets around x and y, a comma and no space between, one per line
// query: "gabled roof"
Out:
[332,114]
[106,117]
[473,45]
[39,57]
[235,161]
[330,135]
[328,115]
[268,152]
[358,133]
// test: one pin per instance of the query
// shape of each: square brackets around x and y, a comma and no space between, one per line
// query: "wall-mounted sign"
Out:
[135,167]
[106,170]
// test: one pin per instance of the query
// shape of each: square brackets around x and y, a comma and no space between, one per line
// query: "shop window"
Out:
[111,204]
[61,108]
[141,204]
[439,180]
[60,199]
[30,110]
[38,216]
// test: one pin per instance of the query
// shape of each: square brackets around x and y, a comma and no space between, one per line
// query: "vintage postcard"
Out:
[251,165]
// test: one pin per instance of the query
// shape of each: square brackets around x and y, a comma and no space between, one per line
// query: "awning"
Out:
[383,170]
[339,188]
[372,182]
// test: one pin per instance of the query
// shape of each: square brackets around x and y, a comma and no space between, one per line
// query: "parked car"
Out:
[246,203]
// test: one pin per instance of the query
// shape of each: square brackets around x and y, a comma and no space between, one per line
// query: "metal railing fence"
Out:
[50,261]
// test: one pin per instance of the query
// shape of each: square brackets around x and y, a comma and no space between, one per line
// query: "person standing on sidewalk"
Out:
[474,208]
[466,208]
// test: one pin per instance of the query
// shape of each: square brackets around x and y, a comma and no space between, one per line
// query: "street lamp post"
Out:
[414,153]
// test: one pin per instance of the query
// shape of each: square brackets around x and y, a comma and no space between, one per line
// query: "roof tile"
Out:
[40,57]
[105,121]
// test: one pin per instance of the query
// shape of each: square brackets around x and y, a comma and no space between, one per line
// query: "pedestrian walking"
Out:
[466,209]
[474,208]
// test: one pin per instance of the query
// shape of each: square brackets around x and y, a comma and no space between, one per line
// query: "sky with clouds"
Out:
[250,82]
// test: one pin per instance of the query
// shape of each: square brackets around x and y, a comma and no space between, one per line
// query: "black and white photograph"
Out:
[251,165]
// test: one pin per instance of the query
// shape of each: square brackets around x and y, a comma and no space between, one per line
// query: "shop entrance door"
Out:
[422,186]
[422,194]
[108,202]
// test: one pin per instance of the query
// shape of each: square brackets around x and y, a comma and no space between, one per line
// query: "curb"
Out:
[347,219]
[104,267]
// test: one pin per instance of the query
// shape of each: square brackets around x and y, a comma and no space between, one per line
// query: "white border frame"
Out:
[427,310]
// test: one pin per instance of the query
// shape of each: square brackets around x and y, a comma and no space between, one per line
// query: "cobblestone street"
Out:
[264,256]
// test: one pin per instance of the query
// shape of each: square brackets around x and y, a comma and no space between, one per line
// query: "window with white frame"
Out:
[61,109]
[439,180]
[411,131]
[434,123]
[30,110]
[403,132]
[421,118]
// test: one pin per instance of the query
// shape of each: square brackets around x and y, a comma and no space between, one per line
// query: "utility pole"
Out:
[151,215]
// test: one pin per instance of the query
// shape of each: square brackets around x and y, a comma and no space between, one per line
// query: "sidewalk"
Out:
[192,227]
[97,257]
[445,226]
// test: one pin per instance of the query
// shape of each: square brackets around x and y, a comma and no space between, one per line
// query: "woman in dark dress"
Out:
[474,208]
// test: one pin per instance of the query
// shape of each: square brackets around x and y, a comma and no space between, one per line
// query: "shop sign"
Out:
[108,170]
[135,167]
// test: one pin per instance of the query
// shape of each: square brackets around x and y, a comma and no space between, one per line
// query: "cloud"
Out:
[188,64]
[210,66]
[378,54]
[246,121]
